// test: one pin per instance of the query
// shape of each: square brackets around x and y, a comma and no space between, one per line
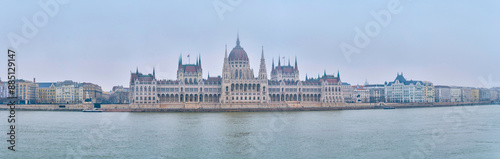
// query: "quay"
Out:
[230,108]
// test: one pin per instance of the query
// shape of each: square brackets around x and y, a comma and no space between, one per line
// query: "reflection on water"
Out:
[446,132]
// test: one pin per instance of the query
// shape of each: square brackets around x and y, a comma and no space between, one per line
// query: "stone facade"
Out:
[236,86]
[377,92]
[46,93]
[92,92]
[404,91]
[69,92]
[442,94]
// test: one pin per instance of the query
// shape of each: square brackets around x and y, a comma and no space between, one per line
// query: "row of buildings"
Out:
[67,92]
[402,90]
[238,85]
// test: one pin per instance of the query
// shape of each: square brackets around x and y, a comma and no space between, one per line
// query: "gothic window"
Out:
[236,73]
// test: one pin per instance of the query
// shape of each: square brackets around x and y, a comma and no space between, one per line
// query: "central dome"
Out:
[238,53]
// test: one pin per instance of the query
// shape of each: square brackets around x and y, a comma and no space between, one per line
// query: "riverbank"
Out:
[233,108]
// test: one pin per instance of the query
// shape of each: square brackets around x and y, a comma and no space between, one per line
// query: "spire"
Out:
[180,60]
[262,55]
[153,72]
[306,76]
[279,61]
[296,66]
[273,64]
[208,74]
[262,70]
[199,60]
[137,70]
[289,61]
[325,73]
[225,53]
[238,39]
[338,74]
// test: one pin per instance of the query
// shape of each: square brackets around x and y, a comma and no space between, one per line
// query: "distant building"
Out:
[484,94]
[456,94]
[119,95]
[26,91]
[46,93]
[442,94]
[92,92]
[404,91]
[348,93]
[361,94]
[4,89]
[376,92]
[493,95]
[474,95]
[69,92]
[466,94]
[429,92]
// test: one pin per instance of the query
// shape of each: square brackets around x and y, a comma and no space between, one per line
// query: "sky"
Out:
[448,42]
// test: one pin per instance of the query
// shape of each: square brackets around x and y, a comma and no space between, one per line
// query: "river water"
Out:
[441,132]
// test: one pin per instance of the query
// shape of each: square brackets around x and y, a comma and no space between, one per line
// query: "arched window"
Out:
[190,80]
[141,88]
[227,88]
[153,88]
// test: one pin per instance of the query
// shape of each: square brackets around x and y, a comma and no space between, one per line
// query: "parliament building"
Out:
[238,86]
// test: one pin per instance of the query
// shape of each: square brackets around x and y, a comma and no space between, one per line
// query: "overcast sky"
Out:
[447,42]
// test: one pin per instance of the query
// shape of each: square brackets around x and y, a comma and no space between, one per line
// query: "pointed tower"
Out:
[338,75]
[199,60]
[238,39]
[296,66]
[306,76]
[137,71]
[272,68]
[262,70]
[180,61]
[154,73]
[288,61]
[279,62]
[225,68]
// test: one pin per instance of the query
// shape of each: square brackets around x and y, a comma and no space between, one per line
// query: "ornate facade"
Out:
[237,85]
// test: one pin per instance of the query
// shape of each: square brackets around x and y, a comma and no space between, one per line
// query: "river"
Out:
[439,132]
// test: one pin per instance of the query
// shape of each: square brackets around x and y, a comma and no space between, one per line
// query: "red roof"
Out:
[238,54]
